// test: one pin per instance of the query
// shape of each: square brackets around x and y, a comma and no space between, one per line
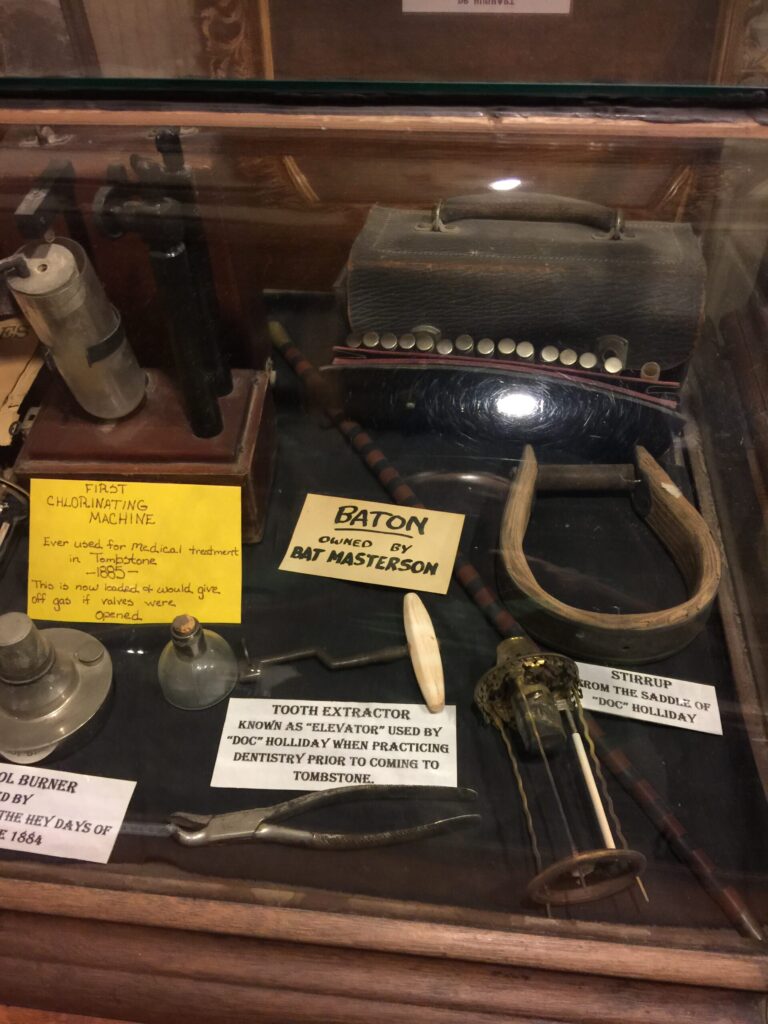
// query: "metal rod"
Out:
[607,800]
[589,781]
[586,478]
[551,778]
[180,185]
[381,657]
[173,275]
[523,798]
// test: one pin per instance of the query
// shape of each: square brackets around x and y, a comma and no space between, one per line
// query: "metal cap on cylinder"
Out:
[69,311]
[25,654]
[51,267]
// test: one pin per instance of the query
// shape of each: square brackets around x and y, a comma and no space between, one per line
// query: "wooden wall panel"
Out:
[146,38]
[600,41]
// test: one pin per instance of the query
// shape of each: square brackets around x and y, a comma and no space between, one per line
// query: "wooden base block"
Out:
[156,443]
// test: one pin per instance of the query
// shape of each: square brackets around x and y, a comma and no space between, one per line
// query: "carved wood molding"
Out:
[228,39]
[752,68]
[741,56]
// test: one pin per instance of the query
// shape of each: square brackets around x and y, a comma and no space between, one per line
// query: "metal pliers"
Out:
[260,822]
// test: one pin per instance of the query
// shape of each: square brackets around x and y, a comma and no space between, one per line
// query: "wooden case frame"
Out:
[150,944]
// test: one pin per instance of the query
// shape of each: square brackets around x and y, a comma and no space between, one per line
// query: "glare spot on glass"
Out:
[130,650]
[505,184]
[516,405]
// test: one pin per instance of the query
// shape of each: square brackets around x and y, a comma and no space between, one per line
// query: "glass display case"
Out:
[548,42]
[458,415]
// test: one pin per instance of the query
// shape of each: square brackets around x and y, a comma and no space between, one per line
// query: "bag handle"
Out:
[536,206]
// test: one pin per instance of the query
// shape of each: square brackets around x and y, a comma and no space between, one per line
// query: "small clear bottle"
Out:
[197,668]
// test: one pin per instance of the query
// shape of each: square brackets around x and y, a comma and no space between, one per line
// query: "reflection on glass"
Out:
[517,405]
[505,184]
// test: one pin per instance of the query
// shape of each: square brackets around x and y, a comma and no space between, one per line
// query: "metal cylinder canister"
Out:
[25,653]
[69,311]
[55,686]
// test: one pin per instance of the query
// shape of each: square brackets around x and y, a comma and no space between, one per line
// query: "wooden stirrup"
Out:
[621,639]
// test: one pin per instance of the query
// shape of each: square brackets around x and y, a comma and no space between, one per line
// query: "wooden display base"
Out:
[155,443]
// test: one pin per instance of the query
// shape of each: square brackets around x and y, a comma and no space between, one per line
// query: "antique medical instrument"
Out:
[254,668]
[198,668]
[204,423]
[262,824]
[55,284]
[425,652]
[422,649]
[633,638]
[537,695]
[58,291]
[641,789]
[54,685]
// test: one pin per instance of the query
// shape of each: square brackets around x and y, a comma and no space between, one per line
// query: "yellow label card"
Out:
[369,542]
[112,551]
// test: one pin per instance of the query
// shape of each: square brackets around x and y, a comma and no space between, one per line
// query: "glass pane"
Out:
[708,42]
[479,295]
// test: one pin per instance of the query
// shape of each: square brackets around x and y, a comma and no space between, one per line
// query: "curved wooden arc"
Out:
[633,638]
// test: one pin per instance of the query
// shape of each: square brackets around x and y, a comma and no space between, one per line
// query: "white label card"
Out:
[60,814]
[631,693]
[486,6]
[322,744]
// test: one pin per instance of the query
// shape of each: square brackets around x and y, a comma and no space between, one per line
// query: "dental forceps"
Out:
[262,823]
